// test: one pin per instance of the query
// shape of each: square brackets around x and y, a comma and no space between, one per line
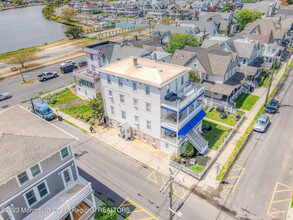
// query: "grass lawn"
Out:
[229,120]
[246,101]
[64,98]
[266,82]
[196,168]
[216,136]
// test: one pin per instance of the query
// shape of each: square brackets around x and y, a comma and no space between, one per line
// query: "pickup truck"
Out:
[47,75]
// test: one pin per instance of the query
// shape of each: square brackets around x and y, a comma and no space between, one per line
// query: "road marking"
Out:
[140,209]
[285,191]
[152,177]
[236,179]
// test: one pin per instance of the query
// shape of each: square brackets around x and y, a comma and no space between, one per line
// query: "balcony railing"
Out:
[185,96]
[84,71]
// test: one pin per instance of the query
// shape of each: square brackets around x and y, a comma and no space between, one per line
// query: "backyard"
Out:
[246,101]
[230,119]
[214,133]
[65,101]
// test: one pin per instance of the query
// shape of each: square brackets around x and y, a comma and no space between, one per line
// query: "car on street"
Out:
[42,110]
[273,106]
[82,63]
[68,62]
[5,95]
[47,75]
[68,68]
[261,123]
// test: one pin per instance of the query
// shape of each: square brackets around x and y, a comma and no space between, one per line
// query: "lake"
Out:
[26,27]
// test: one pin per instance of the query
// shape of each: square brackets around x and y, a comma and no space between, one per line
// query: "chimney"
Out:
[135,63]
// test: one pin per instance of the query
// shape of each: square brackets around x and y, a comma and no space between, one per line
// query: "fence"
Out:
[218,151]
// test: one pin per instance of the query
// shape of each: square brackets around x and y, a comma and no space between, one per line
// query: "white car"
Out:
[68,62]
[5,95]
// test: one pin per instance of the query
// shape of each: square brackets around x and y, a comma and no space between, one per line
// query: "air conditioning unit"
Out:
[110,97]
[136,123]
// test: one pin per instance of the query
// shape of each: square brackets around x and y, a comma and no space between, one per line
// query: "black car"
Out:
[82,63]
[67,68]
[273,106]
[47,75]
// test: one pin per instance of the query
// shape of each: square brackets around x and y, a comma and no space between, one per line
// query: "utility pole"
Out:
[169,184]
[33,107]
[271,79]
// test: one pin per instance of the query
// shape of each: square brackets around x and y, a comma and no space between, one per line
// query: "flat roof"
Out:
[147,71]
[25,140]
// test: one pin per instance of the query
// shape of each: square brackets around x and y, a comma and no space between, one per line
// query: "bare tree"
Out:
[68,13]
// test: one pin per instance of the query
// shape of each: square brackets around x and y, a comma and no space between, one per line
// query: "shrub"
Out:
[187,150]
[76,115]
[176,158]
[92,123]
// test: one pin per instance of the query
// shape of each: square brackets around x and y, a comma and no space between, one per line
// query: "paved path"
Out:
[218,122]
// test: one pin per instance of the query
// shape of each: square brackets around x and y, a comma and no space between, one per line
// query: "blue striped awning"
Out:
[168,130]
[191,124]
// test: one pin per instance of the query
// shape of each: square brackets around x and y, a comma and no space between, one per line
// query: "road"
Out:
[260,184]
[118,177]
[22,93]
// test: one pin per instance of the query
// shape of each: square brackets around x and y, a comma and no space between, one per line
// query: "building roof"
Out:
[224,25]
[182,57]
[218,88]
[262,7]
[244,47]
[26,139]
[172,29]
[147,71]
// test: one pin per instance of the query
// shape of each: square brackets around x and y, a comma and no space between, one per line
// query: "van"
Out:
[43,110]
[67,68]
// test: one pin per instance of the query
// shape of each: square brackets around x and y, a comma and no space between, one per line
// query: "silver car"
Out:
[261,123]
[5,95]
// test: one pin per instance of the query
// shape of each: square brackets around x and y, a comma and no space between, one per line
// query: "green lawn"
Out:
[229,120]
[216,136]
[196,168]
[266,82]
[246,101]
[292,202]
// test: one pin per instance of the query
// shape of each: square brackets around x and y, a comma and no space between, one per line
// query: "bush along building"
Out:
[38,174]
[154,102]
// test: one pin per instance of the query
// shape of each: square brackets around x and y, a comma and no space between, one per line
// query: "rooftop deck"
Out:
[86,74]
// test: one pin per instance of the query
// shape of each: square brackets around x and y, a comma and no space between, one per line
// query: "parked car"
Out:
[42,110]
[68,68]
[261,123]
[68,62]
[82,63]
[47,75]
[5,95]
[273,106]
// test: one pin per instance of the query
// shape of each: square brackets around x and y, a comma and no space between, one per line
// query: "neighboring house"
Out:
[205,27]
[181,11]
[153,102]
[268,9]
[38,175]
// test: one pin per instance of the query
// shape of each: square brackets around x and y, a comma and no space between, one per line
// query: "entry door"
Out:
[67,177]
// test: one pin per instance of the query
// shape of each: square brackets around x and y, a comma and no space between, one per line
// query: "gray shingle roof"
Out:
[26,139]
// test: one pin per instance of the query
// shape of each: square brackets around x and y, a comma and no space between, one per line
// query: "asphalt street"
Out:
[117,177]
[22,93]
[260,184]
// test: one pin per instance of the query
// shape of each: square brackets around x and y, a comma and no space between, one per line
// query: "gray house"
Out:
[38,176]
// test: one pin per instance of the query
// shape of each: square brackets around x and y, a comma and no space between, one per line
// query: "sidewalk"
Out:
[209,179]
[136,149]
[290,214]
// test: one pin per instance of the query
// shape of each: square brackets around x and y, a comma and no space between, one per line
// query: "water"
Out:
[26,27]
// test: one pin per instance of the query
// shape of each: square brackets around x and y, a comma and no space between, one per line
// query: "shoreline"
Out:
[20,6]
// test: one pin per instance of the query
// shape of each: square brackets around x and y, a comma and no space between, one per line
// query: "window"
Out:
[136,119]
[104,58]
[35,170]
[135,133]
[176,85]
[110,93]
[23,178]
[149,124]
[182,80]
[64,153]
[154,140]
[112,110]
[91,56]
[67,176]
[42,190]
[168,89]
[123,114]
[148,106]
[120,82]
[144,138]
[31,197]
[134,86]
[93,67]
[122,98]
[166,145]
[147,90]
[135,103]
[109,79]
[191,108]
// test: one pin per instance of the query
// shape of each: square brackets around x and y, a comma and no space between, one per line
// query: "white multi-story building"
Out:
[153,102]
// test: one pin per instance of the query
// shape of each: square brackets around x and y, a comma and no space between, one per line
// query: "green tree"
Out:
[246,16]
[179,41]
[48,11]
[68,13]
[187,150]
[226,7]
[74,32]
[106,212]
[193,77]
[18,2]
[97,106]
